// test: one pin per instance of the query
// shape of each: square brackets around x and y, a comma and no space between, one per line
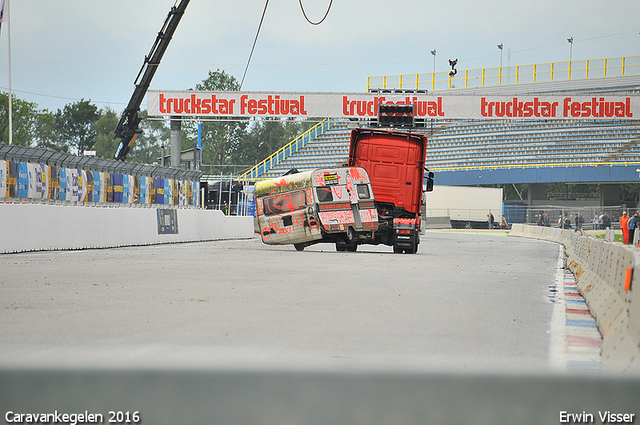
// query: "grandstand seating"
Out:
[493,143]
[329,149]
[502,143]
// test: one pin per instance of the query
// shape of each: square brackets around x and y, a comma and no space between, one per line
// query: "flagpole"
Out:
[10,91]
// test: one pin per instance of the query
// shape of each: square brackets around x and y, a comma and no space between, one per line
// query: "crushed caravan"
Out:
[333,205]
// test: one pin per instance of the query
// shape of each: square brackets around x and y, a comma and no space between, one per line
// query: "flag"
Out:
[1,13]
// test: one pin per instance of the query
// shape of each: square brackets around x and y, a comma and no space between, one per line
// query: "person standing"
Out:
[631,224]
[624,225]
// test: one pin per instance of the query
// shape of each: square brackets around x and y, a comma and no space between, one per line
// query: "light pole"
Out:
[500,46]
[433,77]
[570,40]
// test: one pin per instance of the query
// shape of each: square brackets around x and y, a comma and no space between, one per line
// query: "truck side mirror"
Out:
[429,181]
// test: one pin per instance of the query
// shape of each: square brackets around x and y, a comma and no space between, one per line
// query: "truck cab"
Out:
[395,163]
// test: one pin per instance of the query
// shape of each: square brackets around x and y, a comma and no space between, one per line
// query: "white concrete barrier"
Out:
[39,227]
[605,272]
[310,395]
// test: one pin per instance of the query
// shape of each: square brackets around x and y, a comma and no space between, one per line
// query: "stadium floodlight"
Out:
[433,52]
[570,40]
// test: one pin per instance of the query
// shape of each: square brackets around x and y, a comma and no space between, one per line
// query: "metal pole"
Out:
[220,192]
[230,195]
[176,127]
[10,89]
[500,46]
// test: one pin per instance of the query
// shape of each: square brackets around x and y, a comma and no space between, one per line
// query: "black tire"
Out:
[299,246]
[397,249]
[350,235]
[341,247]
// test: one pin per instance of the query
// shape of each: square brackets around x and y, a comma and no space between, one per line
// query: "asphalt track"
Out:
[463,301]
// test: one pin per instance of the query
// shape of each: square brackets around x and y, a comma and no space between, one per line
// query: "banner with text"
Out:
[365,105]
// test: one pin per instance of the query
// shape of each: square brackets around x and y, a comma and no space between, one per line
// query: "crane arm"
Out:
[128,128]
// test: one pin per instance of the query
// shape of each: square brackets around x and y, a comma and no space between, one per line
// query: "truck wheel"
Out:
[340,247]
[397,249]
[299,246]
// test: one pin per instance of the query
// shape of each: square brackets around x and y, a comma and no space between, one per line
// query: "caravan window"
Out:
[324,194]
[363,191]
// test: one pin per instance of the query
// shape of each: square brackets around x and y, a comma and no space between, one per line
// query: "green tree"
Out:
[266,136]
[147,146]
[47,134]
[105,142]
[76,125]
[25,118]
[219,135]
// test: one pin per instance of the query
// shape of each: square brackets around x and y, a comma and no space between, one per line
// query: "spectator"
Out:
[624,225]
[632,224]
[503,223]
[601,221]
[606,221]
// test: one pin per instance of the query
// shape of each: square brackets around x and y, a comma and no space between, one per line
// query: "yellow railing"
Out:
[541,165]
[287,150]
[554,71]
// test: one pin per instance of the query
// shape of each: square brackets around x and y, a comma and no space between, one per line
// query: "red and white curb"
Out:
[576,343]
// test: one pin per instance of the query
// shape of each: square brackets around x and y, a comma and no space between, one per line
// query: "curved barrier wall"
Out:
[605,273]
[38,227]
[53,200]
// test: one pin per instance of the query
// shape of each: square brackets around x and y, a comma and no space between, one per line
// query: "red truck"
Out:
[395,162]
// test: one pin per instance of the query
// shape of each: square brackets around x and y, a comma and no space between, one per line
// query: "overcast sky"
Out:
[67,50]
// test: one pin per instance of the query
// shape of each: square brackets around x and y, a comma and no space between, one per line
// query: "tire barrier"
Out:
[605,273]
[35,175]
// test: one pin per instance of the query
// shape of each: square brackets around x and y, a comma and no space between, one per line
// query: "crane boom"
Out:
[128,128]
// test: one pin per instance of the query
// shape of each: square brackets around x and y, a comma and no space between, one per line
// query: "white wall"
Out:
[37,227]
[464,203]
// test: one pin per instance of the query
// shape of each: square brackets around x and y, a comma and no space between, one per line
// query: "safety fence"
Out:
[566,216]
[481,77]
[605,272]
[36,175]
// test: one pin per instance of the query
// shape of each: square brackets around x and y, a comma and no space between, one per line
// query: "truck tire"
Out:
[299,246]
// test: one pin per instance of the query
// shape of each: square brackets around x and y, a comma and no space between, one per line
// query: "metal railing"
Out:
[536,165]
[287,150]
[481,77]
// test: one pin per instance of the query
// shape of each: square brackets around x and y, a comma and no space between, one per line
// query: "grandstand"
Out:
[463,146]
